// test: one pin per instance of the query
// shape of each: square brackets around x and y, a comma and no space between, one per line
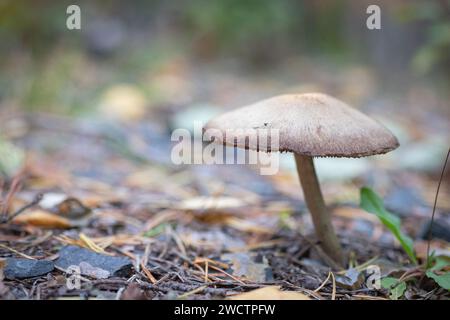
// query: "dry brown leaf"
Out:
[44,219]
[270,293]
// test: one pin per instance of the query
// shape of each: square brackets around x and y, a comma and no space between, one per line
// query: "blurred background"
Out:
[222,52]
[99,104]
[86,118]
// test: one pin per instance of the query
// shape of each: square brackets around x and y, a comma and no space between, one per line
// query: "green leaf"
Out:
[443,280]
[440,262]
[372,203]
[396,288]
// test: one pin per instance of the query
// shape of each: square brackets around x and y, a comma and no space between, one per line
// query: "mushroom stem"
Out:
[320,215]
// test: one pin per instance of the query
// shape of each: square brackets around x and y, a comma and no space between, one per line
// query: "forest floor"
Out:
[202,231]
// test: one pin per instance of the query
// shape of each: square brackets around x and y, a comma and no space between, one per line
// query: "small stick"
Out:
[323,283]
[194,291]
[36,200]
[434,210]
[333,293]
[17,252]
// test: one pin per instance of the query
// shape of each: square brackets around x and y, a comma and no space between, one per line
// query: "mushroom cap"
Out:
[312,124]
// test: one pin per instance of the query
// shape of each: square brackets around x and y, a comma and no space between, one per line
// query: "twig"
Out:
[17,252]
[333,293]
[148,273]
[206,271]
[227,274]
[144,262]
[197,290]
[15,186]
[434,210]
[36,200]
[323,283]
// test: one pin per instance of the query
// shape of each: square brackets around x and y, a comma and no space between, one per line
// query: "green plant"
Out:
[396,287]
[372,203]
[439,272]
[437,268]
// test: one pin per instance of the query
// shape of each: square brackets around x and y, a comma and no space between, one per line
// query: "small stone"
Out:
[440,229]
[93,264]
[351,280]
[26,268]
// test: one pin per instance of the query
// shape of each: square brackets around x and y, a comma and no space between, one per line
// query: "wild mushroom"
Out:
[310,125]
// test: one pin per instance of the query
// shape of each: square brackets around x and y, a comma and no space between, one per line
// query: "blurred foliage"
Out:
[24,24]
[435,17]
[238,24]
[67,72]
[263,30]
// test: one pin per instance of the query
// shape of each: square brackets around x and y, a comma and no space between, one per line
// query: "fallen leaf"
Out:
[270,293]
[244,266]
[41,218]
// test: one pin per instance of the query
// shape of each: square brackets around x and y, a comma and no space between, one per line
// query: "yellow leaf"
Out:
[90,244]
[270,293]
[41,218]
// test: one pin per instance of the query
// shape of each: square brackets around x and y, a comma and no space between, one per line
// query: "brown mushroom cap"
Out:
[312,124]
